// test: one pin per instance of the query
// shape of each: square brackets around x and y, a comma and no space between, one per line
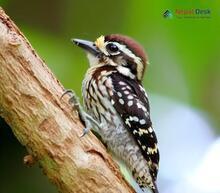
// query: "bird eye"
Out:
[112,48]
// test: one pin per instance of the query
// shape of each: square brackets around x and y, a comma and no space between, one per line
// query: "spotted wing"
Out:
[130,101]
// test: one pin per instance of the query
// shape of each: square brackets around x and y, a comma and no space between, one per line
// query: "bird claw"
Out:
[85,118]
[69,92]
[73,100]
[85,131]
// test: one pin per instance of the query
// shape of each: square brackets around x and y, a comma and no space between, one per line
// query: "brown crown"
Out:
[131,44]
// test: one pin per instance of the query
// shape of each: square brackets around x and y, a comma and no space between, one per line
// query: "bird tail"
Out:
[155,189]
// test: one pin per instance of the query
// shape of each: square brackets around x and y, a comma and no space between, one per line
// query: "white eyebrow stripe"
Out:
[128,52]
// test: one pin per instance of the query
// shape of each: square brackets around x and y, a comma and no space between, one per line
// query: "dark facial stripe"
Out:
[131,64]
[126,61]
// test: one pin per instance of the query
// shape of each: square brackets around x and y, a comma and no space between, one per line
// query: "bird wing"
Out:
[131,102]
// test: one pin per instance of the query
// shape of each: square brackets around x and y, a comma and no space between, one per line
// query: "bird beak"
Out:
[87,46]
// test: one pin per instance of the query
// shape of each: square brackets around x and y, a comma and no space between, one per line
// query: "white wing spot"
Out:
[144,109]
[113,102]
[150,129]
[135,118]
[142,122]
[123,88]
[139,105]
[130,97]
[119,94]
[130,103]
[128,87]
[126,92]
[122,83]
[121,101]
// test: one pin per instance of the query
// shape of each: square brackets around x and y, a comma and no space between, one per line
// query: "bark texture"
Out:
[47,126]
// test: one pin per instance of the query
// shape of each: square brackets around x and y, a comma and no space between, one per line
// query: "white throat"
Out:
[92,59]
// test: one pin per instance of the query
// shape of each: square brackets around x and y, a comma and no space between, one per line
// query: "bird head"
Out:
[124,53]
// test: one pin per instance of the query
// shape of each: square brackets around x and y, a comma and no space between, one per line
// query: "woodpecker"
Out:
[116,100]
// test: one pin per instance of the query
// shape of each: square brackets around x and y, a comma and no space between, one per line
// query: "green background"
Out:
[184,59]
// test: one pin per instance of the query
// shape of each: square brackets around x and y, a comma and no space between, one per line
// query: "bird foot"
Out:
[84,117]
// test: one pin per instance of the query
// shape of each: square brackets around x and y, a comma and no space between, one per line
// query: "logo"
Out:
[167,14]
[188,13]
[193,13]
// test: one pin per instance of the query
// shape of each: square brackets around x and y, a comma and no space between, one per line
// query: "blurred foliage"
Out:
[184,57]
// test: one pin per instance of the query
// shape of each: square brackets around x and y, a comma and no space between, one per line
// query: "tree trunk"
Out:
[46,125]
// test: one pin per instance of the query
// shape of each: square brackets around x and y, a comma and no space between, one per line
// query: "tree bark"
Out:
[46,125]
